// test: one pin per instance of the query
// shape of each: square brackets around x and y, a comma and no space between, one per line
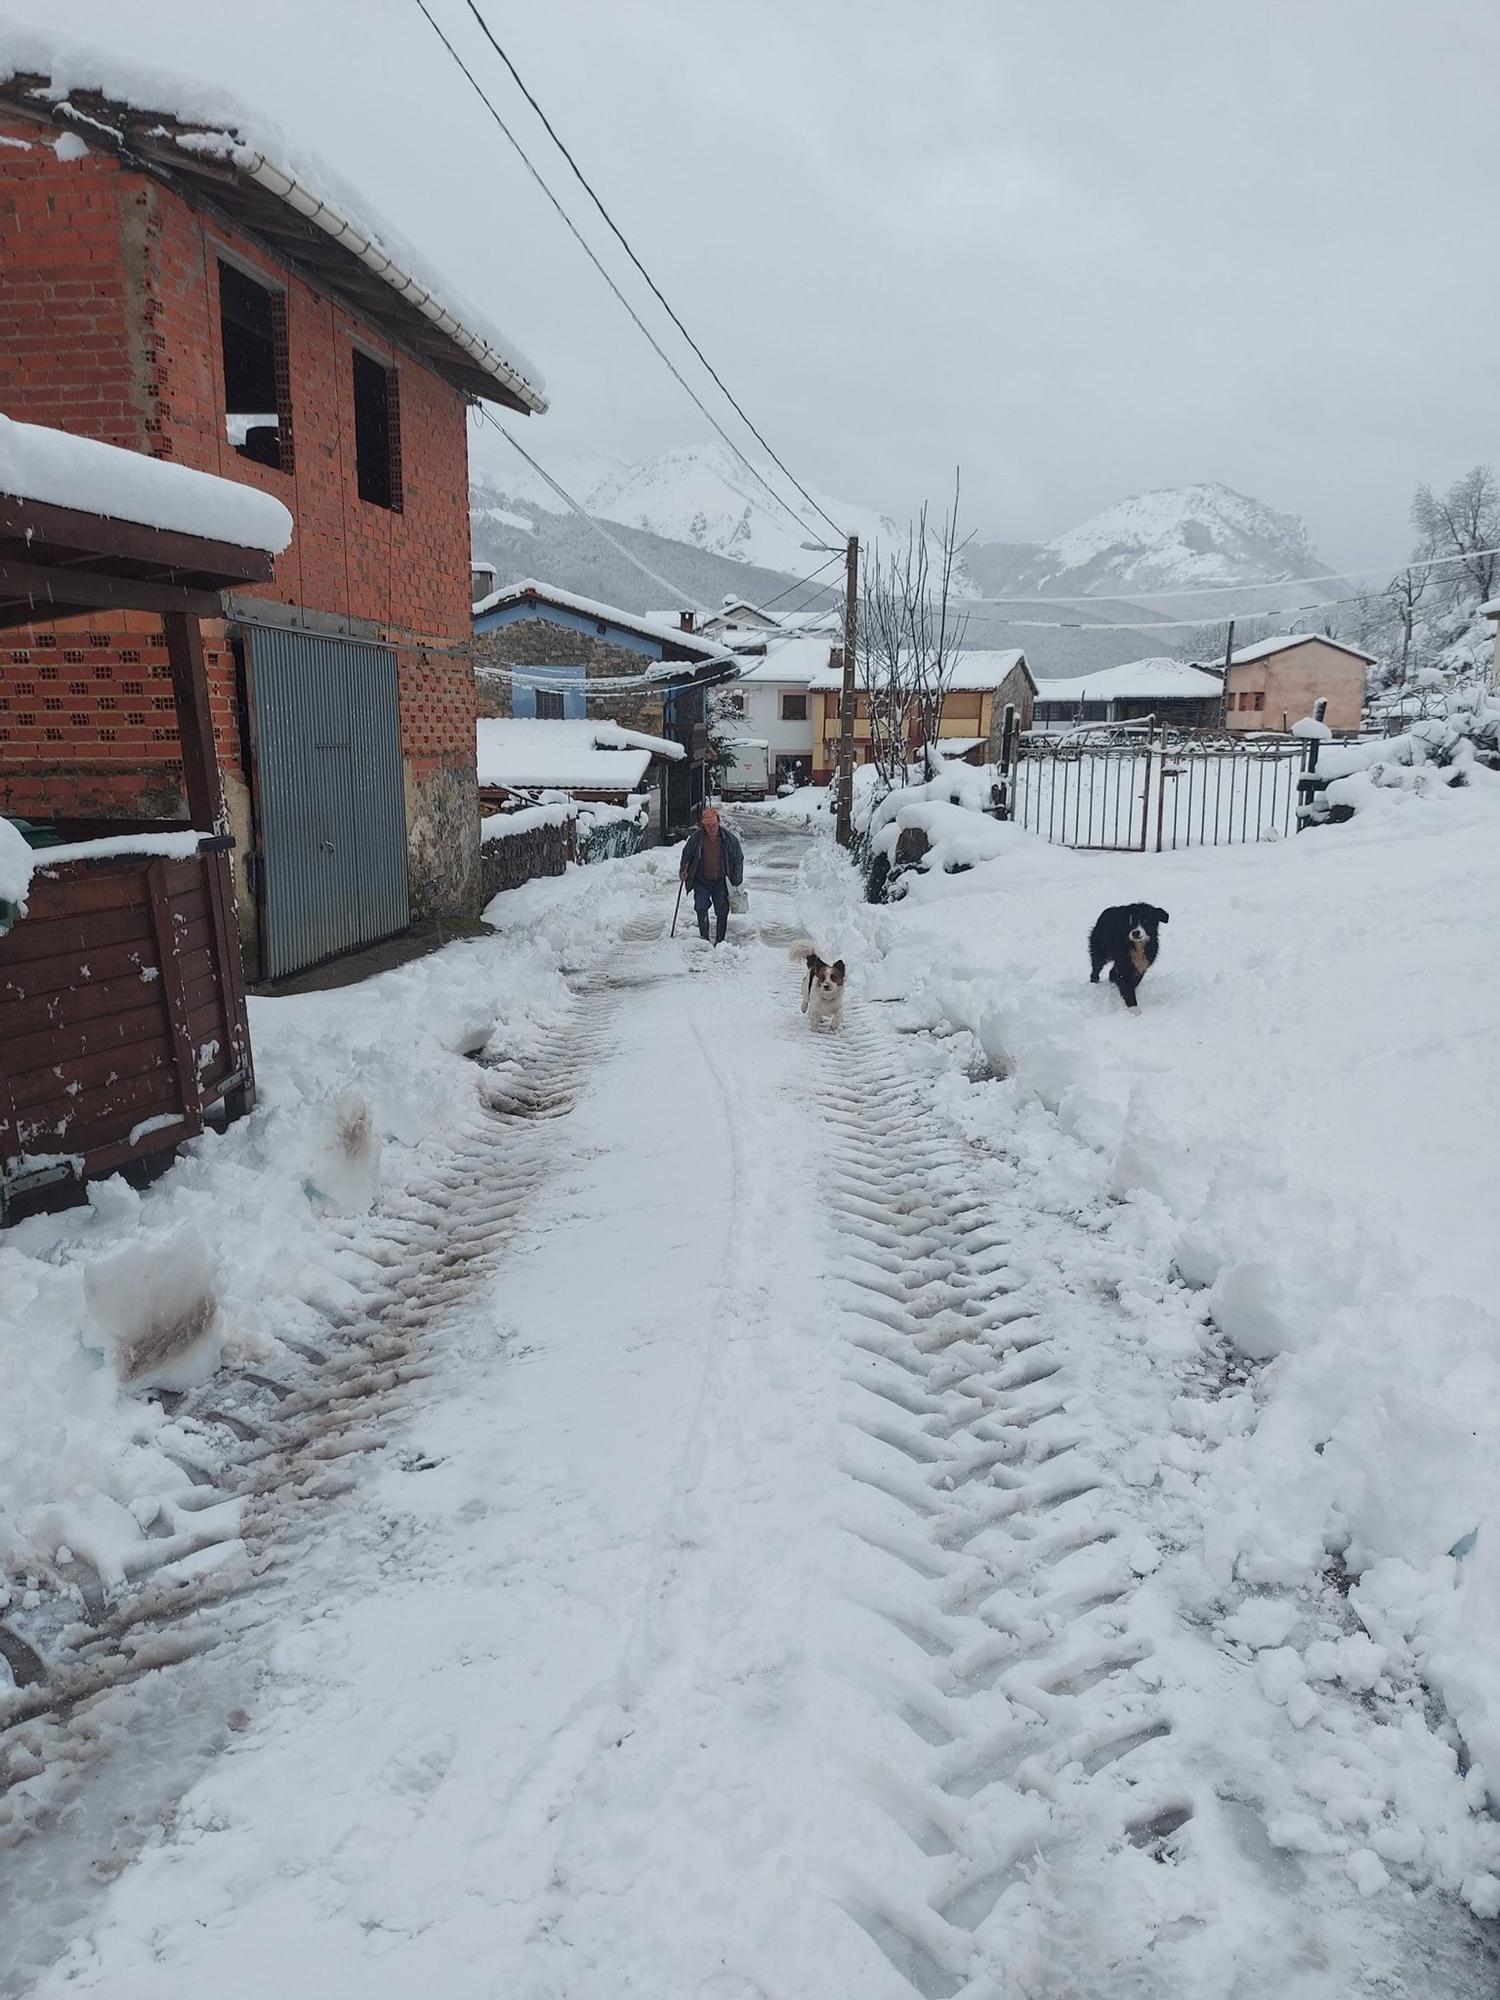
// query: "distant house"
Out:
[601,761]
[547,653]
[171,285]
[736,616]
[983,684]
[1170,690]
[771,702]
[1275,683]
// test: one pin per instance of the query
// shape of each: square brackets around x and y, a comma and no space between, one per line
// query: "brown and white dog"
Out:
[822,987]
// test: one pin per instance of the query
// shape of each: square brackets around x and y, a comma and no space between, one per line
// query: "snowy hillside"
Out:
[1187,537]
[700,495]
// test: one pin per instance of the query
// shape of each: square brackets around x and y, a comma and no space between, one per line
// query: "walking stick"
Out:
[680,886]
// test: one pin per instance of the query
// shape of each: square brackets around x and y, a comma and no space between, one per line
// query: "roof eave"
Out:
[256,167]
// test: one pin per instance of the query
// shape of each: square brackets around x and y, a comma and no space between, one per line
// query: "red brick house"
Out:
[173,288]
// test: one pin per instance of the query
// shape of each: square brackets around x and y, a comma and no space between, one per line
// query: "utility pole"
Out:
[1228,656]
[845,823]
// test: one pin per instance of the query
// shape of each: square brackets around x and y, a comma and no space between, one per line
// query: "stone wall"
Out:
[508,860]
[535,642]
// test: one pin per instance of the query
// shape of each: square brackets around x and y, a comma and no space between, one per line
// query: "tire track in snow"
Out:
[119,1706]
[1078,1774]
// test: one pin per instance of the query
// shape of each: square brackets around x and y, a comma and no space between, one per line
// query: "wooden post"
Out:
[195,726]
[1008,757]
[1224,693]
[845,825]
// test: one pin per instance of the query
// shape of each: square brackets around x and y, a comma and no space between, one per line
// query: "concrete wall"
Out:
[763,719]
[1290,681]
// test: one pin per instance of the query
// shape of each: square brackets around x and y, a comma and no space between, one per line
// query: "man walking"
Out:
[713,862]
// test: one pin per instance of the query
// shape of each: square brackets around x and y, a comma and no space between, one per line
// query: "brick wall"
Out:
[109,328]
[535,642]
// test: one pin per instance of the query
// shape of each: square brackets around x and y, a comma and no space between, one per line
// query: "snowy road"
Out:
[787,1573]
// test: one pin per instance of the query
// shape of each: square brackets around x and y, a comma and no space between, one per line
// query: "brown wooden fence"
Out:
[122,1015]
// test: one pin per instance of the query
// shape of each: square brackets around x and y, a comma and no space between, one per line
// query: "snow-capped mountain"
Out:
[1181,537]
[701,495]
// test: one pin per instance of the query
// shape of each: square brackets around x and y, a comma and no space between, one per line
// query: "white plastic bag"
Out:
[739,900]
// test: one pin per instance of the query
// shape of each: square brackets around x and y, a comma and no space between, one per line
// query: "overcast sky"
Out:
[1084,248]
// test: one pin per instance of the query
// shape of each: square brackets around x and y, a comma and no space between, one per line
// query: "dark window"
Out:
[549,705]
[1260,698]
[377,433]
[794,708]
[257,398]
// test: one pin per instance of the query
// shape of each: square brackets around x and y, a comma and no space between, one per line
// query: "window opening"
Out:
[377,436]
[549,705]
[257,399]
[794,708]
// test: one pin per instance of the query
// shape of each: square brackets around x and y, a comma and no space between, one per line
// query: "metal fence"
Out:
[1142,789]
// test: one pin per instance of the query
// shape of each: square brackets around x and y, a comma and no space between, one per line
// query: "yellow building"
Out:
[983,683]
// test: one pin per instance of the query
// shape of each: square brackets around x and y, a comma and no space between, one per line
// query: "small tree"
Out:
[910,636]
[1464,523]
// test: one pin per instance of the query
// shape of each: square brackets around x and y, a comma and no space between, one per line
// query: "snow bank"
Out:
[64,471]
[17,863]
[509,826]
[1301,1120]
[951,812]
[241,1245]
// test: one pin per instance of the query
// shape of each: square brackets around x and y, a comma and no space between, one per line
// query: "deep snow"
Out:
[834,1551]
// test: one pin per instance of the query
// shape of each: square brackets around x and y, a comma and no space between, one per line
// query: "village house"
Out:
[735,620]
[771,702]
[544,652]
[1277,682]
[189,293]
[983,684]
[1169,691]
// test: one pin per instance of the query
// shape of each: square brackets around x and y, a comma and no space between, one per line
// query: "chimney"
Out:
[836,658]
[685,620]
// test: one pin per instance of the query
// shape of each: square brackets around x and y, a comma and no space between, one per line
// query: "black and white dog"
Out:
[1124,938]
[822,987]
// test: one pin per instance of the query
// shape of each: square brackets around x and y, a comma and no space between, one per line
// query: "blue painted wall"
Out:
[526,681]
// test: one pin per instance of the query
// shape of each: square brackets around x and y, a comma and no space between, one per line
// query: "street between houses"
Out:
[775,1561]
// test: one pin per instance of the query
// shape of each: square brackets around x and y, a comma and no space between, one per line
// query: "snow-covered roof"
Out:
[60,470]
[788,662]
[1136,680]
[1242,655]
[976,671]
[1491,609]
[529,590]
[526,754]
[182,129]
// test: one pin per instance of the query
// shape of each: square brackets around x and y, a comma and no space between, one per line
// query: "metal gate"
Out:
[1153,789]
[330,796]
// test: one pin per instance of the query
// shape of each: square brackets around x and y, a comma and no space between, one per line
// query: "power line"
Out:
[656,290]
[802,582]
[674,591]
[588,251]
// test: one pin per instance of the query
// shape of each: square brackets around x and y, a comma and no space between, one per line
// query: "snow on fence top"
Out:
[1137,680]
[567,756]
[65,471]
[208,122]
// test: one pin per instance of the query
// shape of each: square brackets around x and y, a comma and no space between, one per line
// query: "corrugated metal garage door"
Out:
[331,800]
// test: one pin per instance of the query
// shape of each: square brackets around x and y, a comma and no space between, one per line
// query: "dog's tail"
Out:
[801,952]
